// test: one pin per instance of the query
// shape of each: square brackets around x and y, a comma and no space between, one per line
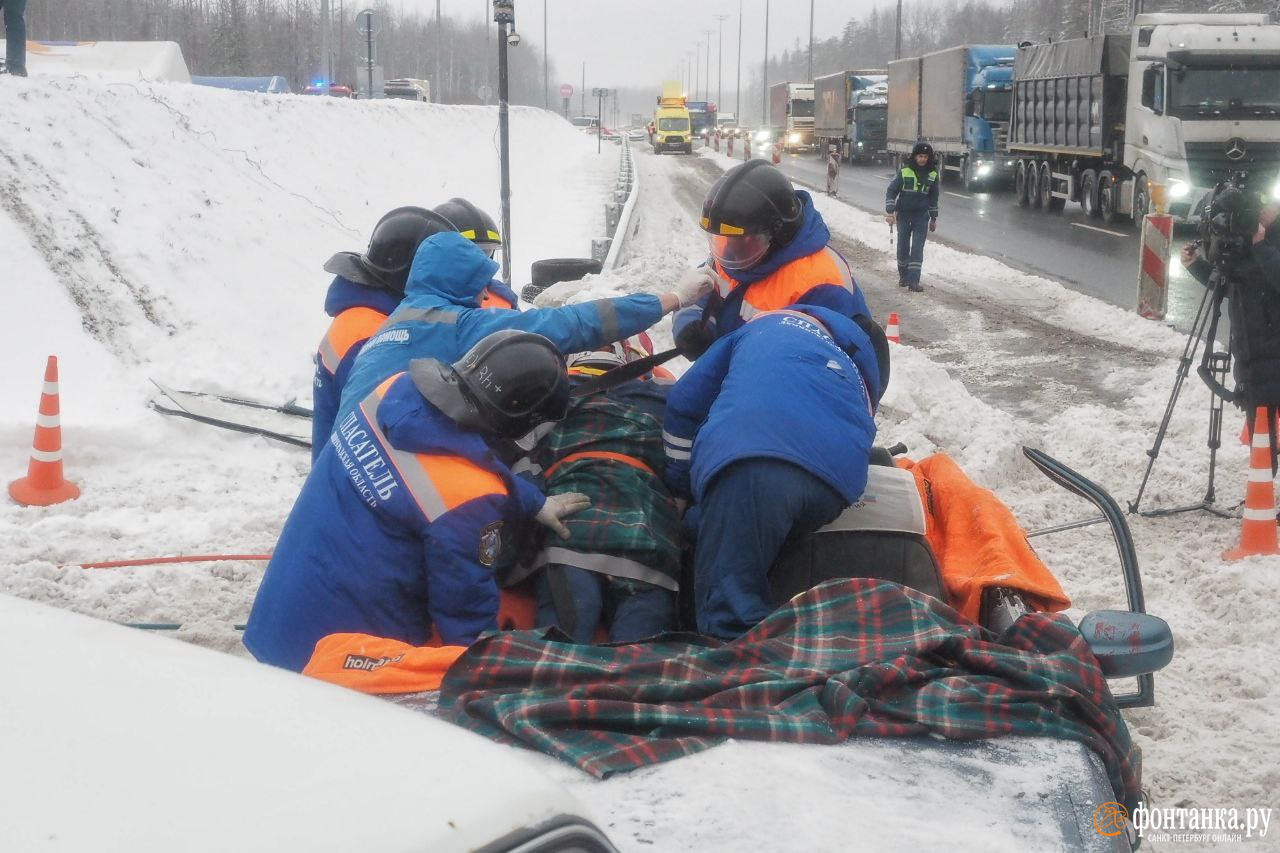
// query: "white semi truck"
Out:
[1184,100]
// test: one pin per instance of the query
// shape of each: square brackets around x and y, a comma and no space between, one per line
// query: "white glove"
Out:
[560,506]
[693,285]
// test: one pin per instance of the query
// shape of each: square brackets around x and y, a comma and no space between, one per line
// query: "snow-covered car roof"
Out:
[114,739]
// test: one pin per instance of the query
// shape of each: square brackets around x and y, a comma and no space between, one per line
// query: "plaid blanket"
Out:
[847,658]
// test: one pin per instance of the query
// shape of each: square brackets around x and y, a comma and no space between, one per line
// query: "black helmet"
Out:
[750,209]
[922,147]
[515,380]
[395,241]
[472,223]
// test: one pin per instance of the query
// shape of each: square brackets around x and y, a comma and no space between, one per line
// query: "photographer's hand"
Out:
[1189,252]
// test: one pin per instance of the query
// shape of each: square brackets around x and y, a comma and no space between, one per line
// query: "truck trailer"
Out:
[1184,100]
[850,112]
[958,100]
[791,114]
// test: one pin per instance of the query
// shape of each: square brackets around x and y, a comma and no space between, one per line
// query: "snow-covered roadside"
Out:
[194,237]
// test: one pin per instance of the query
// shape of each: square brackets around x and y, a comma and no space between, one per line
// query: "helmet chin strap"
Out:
[438,383]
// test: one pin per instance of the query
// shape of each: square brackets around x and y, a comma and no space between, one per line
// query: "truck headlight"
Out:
[762,136]
[793,138]
[1179,189]
[1275,191]
[984,170]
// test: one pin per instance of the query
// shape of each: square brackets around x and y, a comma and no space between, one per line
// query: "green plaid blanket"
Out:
[847,658]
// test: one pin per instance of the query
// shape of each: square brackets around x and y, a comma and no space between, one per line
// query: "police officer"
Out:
[911,203]
[769,432]
[402,518]
[366,288]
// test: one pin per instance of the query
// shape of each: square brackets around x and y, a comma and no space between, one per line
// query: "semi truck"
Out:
[407,88]
[703,116]
[1183,100]
[672,127]
[850,111]
[958,101]
[791,114]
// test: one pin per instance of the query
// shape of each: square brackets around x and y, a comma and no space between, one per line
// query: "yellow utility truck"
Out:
[672,129]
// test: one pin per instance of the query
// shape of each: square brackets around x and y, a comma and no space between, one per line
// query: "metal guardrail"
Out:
[619,212]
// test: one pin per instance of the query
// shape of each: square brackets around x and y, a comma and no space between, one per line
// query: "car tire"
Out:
[554,270]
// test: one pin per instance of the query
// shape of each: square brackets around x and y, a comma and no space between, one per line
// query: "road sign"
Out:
[566,91]
[599,93]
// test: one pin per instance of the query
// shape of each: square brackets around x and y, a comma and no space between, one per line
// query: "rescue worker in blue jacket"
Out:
[769,249]
[365,290]
[440,316]
[770,433]
[400,522]
[911,203]
[367,287]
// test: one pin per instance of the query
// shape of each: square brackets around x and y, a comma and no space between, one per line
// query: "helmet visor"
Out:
[739,251]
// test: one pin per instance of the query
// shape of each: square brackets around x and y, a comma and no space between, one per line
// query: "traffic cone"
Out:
[891,328]
[44,484]
[777,153]
[1258,534]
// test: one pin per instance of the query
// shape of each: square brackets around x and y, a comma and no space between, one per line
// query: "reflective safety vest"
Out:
[339,347]
[912,184]
[786,285]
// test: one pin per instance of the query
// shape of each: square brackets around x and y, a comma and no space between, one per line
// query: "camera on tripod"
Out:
[1229,219]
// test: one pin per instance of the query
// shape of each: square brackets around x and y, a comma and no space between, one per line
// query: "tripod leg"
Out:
[1198,327]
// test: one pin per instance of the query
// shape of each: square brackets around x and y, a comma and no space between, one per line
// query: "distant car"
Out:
[115,739]
[335,90]
[638,134]
[587,123]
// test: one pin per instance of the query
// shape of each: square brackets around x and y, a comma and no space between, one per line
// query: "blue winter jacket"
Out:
[358,311]
[396,530]
[780,387]
[440,317]
[838,293]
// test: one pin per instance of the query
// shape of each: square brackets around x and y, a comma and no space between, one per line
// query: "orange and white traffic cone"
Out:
[44,484]
[777,153]
[1258,533]
[891,328]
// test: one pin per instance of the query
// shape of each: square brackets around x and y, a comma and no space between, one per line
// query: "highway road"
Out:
[1082,253]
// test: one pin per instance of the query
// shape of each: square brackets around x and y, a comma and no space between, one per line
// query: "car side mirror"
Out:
[1127,644]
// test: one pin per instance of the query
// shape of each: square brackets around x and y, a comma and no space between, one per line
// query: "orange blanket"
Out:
[978,542]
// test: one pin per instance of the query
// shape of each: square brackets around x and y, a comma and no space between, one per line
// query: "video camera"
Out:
[1229,219]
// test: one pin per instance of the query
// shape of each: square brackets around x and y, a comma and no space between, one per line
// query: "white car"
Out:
[116,740]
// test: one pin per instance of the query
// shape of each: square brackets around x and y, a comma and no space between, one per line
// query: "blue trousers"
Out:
[577,601]
[913,230]
[15,36]
[748,513]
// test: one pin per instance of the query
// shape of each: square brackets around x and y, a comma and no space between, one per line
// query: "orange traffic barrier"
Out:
[1258,533]
[891,328]
[44,484]
[777,152]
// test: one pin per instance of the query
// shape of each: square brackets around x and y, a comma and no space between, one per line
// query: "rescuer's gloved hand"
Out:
[933,225]
[693,285]
[891,218]
[560,506]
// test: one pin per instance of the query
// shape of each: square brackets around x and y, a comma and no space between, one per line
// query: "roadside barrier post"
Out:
[1153,260]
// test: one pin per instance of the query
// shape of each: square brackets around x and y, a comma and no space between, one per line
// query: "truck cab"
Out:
[1203,103]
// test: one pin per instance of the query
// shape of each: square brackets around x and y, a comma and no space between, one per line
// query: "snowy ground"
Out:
[176,232]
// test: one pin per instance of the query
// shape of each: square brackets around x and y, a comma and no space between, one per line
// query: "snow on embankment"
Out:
[179,232]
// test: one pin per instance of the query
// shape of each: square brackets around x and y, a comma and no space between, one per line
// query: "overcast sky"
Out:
[643,42]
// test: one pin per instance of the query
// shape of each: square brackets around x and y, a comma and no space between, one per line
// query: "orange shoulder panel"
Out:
[794,280]
[352,326]
[459,480]
[493,300]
